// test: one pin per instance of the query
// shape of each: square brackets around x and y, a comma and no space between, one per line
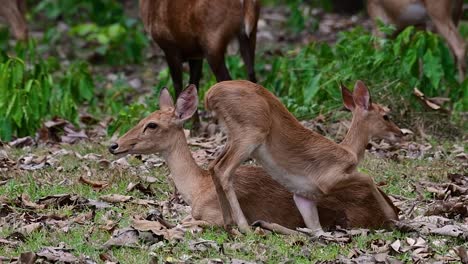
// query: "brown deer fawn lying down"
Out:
[350,204]
[190,30]
[13,11]
[444,14]
[303,161]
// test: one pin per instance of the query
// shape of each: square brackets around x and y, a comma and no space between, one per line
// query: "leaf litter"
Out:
[431,220]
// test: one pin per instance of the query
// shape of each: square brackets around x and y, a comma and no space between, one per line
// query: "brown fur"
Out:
[303,161]
[13,11]
[190,30]
[445,15]
[261,198]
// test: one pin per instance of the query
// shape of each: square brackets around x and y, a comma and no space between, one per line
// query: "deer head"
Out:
[374,116]
[157,132]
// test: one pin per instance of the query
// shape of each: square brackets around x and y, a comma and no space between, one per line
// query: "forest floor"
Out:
[67,199]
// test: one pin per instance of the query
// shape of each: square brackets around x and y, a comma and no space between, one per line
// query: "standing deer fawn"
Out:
[13,11]
[261,198]
[190,30]
[305,162]
[444,14]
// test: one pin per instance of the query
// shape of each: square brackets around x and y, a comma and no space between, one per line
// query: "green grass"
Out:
[87,239]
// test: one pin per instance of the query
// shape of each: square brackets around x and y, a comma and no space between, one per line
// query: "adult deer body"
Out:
[261,198]
[306,163]
[13,11]
[444,14]
[190,30]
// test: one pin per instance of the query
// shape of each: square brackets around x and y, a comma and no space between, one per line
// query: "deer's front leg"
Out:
[224,169]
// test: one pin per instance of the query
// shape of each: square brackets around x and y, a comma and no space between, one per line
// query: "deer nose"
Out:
[113,147]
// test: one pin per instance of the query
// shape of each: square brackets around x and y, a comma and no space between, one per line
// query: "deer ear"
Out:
[362,96]
[187,103]
[348,100]
[165,99]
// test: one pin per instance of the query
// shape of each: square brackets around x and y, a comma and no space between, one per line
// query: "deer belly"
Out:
[413,14]
[299,184]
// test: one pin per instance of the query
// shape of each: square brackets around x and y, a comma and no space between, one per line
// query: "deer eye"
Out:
[386,117]
[152,126]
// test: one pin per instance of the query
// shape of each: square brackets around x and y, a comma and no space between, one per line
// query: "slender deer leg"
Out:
[175,68]
[14,11]
[223,200]
[247,49]
[309,212]
[217,64]
[195,76]
[279,229]
[236,153]
[442,19]
[457,11]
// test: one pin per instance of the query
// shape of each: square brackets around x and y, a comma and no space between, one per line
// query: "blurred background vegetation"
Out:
[81,53]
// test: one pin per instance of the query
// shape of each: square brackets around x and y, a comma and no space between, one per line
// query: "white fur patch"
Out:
[299,184]
[414,13]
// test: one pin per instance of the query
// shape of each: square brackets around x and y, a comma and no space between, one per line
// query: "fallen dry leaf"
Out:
[28,229]
[57,254]
[26,202]
[97,185]
[461,252]
[115,198]
[127,237]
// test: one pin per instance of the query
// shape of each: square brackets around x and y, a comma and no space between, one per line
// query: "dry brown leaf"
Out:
[9,243]
[145,225]
[57,254]
[109,226]
[115,198]
[26,202]
[461,252]
[22,142]
[97,185]
[27,258]
[85,217]
[396,246]
[127,237]
[28,229]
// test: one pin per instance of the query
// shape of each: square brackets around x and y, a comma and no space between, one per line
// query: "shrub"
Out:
[30,91]
[118,43]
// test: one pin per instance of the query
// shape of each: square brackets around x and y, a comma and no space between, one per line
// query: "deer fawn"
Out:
[13,11]
[351,204]
[305,162]
[444,14]
[190,30]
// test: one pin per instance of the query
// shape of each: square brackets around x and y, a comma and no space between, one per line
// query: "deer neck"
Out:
[185,172]
[357,138]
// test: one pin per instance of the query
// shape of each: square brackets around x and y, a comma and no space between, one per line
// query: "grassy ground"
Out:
[25,226]
[87,238]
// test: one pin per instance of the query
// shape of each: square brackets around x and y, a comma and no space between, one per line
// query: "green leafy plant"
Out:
[29,93]
[118,43]
[102,12]
[308,79]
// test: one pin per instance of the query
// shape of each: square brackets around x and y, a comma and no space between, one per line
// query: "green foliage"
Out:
[307,80]
[30,91]
[129,117]
[97,26]
[102,12]
[118,43]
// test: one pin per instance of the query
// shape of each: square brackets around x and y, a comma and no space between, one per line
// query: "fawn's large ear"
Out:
[348,99]
[187,103]
[165,99]
[362,96]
